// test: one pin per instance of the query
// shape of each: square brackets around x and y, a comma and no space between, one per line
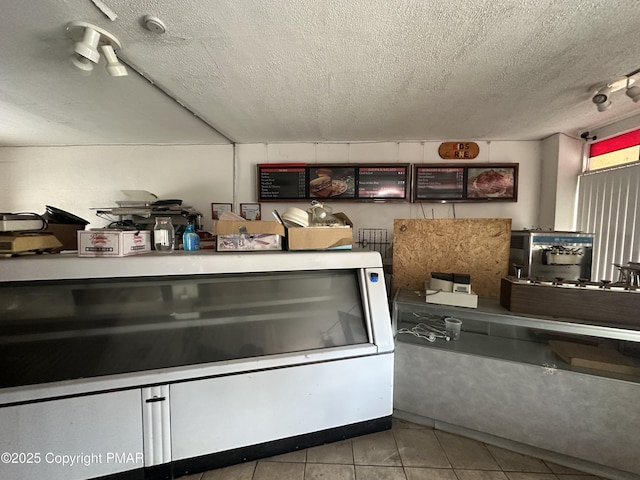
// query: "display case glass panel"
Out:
[492,331]
[63,330]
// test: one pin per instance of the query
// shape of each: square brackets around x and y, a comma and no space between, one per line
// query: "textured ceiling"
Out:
[325,70]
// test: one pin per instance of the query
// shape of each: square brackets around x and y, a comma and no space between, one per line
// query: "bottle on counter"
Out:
[163,235]
[191,239]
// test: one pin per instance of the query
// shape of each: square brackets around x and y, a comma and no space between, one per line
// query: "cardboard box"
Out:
[322,238]
[235,236]
[113,243]
[67,234]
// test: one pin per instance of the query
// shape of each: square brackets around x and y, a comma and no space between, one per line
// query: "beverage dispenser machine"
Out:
[551,255]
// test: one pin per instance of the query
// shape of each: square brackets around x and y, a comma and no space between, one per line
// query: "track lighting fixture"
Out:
[114,67]
[87,48]
[634,93]
[88,38]
[82,63]
[602,98]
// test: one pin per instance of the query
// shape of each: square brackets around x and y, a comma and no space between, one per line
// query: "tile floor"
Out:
[406,452]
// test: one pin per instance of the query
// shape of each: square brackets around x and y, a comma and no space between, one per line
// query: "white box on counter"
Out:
[469,300]
[463,299]
[113,243]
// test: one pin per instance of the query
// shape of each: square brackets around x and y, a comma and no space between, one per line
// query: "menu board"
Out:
[282,182]
[383,182]
[439,183]
[465,183]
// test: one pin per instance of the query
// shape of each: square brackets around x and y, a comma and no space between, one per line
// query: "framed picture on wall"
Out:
[250,211]
[218,208]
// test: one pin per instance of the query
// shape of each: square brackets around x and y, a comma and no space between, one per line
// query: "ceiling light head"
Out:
[634,93]
[114,67]
[88,46]
[81,62]
[602,96]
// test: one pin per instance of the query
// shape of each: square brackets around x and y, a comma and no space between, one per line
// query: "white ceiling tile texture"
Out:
[298,71]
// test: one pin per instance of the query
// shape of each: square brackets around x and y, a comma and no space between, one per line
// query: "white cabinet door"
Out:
[219,414]
[72,438]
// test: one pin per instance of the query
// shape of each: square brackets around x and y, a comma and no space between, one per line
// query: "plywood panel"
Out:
[479,247]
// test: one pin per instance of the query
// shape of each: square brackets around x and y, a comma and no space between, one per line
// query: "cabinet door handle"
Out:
[155,399]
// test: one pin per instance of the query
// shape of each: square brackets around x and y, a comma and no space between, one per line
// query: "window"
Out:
[615,151]
[608,197]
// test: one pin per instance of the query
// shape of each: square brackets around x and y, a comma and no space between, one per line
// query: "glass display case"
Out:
[555,388]
[493,331]
[190,361]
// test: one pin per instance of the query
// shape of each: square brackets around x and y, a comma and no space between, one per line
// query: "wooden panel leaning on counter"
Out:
[479,247]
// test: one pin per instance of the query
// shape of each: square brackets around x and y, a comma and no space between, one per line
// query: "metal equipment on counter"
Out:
[551,255]
[24,232]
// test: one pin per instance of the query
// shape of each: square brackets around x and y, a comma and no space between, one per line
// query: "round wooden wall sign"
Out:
[459,150]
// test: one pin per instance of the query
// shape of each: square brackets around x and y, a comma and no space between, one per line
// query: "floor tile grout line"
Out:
[445,453]
[495,459]
[353,457]
[395,440]
[255,467]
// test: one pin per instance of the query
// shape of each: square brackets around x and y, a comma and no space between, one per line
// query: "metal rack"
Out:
[375,239]
[145,215]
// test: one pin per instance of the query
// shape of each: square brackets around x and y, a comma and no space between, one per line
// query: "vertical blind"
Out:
[608,207]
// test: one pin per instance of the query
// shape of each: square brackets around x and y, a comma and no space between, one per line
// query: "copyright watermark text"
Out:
[70,460]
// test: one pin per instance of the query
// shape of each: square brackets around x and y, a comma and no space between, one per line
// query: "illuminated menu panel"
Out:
[282,182]
[337,182]
[439,183]
[383,182]
[465,183]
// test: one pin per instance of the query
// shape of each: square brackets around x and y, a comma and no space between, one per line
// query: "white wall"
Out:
[617,128]
[570,156]
[548,179]
[78,179]
[524,212]
[561,165]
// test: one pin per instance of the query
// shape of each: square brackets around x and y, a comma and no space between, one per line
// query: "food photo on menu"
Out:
[493,182]
[332,182]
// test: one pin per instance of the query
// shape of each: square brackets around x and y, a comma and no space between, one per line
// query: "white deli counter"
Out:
[162,365]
